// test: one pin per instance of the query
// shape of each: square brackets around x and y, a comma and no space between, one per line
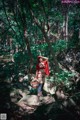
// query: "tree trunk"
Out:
[42,28]
[23,16]
[66,26]
[65,22]
[51,50]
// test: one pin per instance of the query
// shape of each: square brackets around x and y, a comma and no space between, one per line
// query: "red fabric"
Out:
[46,68]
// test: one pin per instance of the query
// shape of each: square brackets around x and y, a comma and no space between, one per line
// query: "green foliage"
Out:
[36,49]
[59,46]
[47,13]
[62,77]
[21,57]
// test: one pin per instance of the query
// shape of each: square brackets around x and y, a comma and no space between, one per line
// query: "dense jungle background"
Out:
[29,28]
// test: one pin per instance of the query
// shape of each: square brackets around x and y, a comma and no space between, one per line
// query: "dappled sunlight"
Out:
[39,60]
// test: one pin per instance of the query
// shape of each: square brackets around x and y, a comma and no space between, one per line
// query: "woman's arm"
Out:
[36,73]
[44,57]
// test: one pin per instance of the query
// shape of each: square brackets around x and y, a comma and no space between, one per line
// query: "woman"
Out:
[42,69]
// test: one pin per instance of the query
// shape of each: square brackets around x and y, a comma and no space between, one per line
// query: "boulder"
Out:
[48,99]
[49,87]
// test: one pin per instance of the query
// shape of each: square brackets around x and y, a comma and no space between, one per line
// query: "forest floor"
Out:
[20,101]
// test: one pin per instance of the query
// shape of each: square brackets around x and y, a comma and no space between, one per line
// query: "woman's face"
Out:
[40,59]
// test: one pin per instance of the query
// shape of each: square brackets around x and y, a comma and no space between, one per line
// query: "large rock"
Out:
[29,103]
[48,99]
[49,87]
[31,100]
